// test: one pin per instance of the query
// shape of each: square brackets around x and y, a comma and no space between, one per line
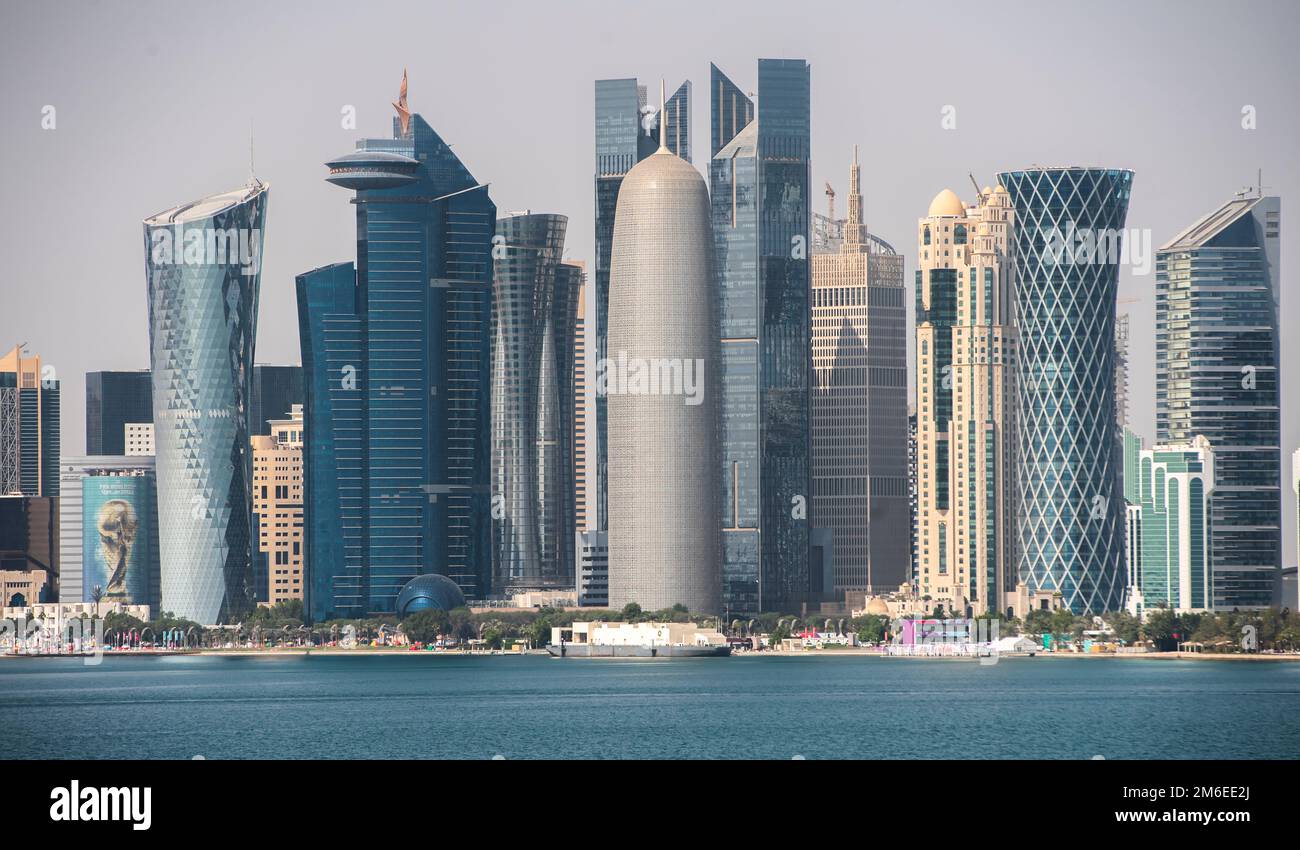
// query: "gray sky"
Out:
[154,103]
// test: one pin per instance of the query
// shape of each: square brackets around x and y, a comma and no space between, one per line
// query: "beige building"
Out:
[858,405]
[138,438]
[966,404]
[277,506]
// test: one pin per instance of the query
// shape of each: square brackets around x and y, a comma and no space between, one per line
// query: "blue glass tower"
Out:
[758,180]
[402,351]
[1070,520]
[329,331]
[203,265]
[627,131]
[1218,287]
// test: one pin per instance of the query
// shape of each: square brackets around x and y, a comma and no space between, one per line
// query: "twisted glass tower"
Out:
[532,404]
[203,266]
[1070,521]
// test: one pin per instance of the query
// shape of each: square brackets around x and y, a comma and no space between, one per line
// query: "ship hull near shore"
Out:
[586,650]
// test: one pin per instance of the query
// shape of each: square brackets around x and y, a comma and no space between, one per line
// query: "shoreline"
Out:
[844,653]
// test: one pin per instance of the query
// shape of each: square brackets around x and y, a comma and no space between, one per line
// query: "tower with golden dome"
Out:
[965,403]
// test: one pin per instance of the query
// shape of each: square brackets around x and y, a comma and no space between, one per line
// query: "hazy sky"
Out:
[154,103]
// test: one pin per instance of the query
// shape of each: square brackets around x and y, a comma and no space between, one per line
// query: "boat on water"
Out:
[637,640]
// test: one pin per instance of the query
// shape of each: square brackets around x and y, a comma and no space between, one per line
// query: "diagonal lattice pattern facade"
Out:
[1070,517]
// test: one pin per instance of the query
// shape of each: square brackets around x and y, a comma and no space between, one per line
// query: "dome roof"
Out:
[947,203]
[877,606]
[429,592]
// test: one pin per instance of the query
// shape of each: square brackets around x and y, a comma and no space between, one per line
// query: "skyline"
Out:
[1178,118]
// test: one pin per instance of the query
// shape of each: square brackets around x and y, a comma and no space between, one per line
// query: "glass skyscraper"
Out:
[203,266]
[627,131]
[758,179]
[533,405]
[29,426]
[114,399]
[1218,286]
[1070,520]
[396,360]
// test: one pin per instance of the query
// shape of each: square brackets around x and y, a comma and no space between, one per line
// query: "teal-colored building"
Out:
[1169,536]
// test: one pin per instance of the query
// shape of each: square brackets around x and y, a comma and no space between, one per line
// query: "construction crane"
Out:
[830,203]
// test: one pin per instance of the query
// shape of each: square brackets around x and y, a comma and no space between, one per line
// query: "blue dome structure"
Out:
[429,592]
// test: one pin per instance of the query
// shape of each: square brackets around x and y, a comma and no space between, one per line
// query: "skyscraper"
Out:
[276,389]
[583,406]
[626,133]
[1172,488]
[966,398]
[1070,520]
[113,401]
[77,513]
[1295,488]
[29,426]
[203,267]
[1218,286]
[859,426]
[277,508]
[396,389]
[758,179]
[661,386]
[535,295]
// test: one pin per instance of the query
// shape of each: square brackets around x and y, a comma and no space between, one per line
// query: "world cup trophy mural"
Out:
[117,528]
[118,534]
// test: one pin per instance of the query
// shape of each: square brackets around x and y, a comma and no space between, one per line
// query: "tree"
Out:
[424,626]
[631,612]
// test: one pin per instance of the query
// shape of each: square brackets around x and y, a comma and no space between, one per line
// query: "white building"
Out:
[638,634]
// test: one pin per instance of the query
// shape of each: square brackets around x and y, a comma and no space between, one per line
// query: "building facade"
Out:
[759,180]
[276,389]
[203,269]
[29,541]
[1218,287]
[1070,516]
[1172,489]
[29,426]
[860,484]
[115,400]
[593,569]
[966,349]
[584,408]
[277,509]
[534,301]
[396,356]
[77,514]
[660,385]
[626,133]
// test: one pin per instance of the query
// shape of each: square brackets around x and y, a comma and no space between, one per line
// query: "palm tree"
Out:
[97,593]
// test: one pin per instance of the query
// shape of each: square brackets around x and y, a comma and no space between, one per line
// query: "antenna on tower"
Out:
[663,116]
[252,172]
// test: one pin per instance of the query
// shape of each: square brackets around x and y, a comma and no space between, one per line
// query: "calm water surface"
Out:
[536,707]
